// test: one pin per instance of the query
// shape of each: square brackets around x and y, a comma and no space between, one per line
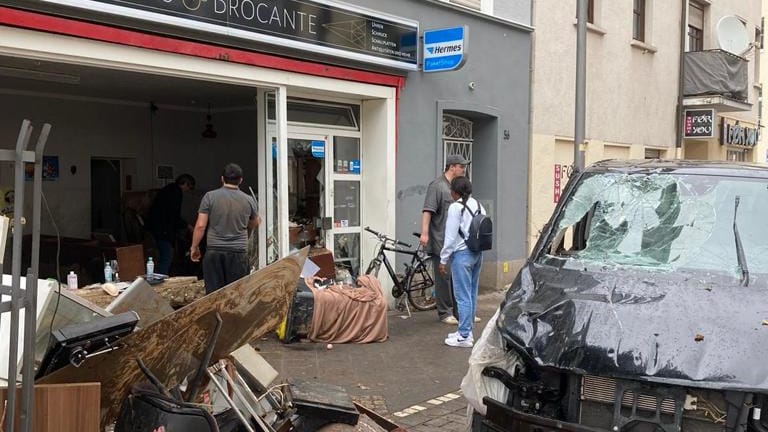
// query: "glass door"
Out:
[308,207]
[347,214]
[323,176]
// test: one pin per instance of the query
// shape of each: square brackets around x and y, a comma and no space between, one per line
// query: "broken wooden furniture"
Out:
[174,348]
[178,291]
[62,407]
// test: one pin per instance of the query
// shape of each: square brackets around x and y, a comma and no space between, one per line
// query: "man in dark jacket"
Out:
[164,219]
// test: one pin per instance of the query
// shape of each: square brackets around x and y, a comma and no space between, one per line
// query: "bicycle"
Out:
[416,283]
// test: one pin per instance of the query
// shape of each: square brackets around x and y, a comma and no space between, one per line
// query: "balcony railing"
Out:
[715,72]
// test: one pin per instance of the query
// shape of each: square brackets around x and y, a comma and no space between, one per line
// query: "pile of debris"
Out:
[193,369]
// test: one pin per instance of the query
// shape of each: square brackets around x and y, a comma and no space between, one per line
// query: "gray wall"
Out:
[498,63]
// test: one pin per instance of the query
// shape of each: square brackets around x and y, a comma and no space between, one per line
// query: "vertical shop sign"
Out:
[558,177]
[699,123]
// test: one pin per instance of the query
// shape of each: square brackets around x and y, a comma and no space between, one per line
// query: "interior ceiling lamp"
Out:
[209,132]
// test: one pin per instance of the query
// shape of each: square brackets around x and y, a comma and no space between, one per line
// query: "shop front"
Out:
[132,110]
[715,136]
[323,104]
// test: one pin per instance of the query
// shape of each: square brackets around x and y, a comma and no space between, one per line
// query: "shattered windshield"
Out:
[664,221]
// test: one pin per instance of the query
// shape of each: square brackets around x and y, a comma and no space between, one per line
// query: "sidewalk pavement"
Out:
[412,379]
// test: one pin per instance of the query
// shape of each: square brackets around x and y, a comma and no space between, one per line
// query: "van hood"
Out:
[677,328]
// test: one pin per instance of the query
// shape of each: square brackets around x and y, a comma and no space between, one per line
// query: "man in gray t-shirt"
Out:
[433,217]
[228,214]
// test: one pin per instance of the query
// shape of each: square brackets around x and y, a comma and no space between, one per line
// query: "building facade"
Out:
[647,61]
[324,104]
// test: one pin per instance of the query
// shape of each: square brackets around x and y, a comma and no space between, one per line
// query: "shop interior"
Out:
[118,137]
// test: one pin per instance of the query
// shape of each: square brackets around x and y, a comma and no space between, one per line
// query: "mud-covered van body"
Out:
[643,307]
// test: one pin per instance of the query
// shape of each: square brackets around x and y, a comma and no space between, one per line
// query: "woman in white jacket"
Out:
[465,264]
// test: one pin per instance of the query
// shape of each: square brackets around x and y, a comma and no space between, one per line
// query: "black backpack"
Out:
[480,236]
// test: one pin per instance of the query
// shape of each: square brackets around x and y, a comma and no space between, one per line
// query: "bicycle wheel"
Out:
[420,286]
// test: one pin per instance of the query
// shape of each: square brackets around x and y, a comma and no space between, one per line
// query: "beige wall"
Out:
[762,144]
[631,89]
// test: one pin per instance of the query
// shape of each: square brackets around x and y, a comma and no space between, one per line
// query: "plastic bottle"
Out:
[150,267]
[107,273]
[72,280]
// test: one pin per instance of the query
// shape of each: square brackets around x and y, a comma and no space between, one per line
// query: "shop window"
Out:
[737,155]
[322,113]
[654,153]
[638,20]
[457,139]
[695,27]
[346,155]
[346,204]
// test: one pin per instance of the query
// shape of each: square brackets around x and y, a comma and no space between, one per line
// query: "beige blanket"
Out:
[345,314]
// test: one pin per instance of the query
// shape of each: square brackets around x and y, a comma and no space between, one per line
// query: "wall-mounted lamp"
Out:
[209,132]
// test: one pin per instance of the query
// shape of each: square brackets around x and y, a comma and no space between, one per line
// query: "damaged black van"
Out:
[643,307]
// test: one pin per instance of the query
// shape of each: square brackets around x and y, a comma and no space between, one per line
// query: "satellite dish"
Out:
[732,35]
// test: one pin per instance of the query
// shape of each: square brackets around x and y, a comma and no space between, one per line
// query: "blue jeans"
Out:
[465,273]
[164,256]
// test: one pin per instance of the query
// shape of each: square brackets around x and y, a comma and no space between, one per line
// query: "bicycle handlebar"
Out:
[383,237]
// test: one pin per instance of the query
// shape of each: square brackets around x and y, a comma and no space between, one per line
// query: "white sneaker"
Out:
[456,335]
[450,319]
[460,342]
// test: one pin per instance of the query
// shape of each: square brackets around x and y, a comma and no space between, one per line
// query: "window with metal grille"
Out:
[457,139]
[695,27]
[638,20]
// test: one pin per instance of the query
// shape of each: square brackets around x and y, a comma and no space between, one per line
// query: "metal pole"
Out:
[30,307]
[680,112]
[581,84]
[16,291]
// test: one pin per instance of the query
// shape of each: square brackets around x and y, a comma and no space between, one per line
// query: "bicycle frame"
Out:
[381,257]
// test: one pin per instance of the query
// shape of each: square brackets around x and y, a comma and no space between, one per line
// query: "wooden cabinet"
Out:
[61,407]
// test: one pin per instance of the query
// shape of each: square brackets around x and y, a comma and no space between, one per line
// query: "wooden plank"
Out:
[62,407]
[173,347]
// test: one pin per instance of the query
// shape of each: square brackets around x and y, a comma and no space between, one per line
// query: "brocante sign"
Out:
[326,27]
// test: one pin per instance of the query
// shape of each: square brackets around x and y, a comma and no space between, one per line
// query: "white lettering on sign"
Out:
[699,123]
[266,14]
[562,174]
[702,118]
[741,135]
